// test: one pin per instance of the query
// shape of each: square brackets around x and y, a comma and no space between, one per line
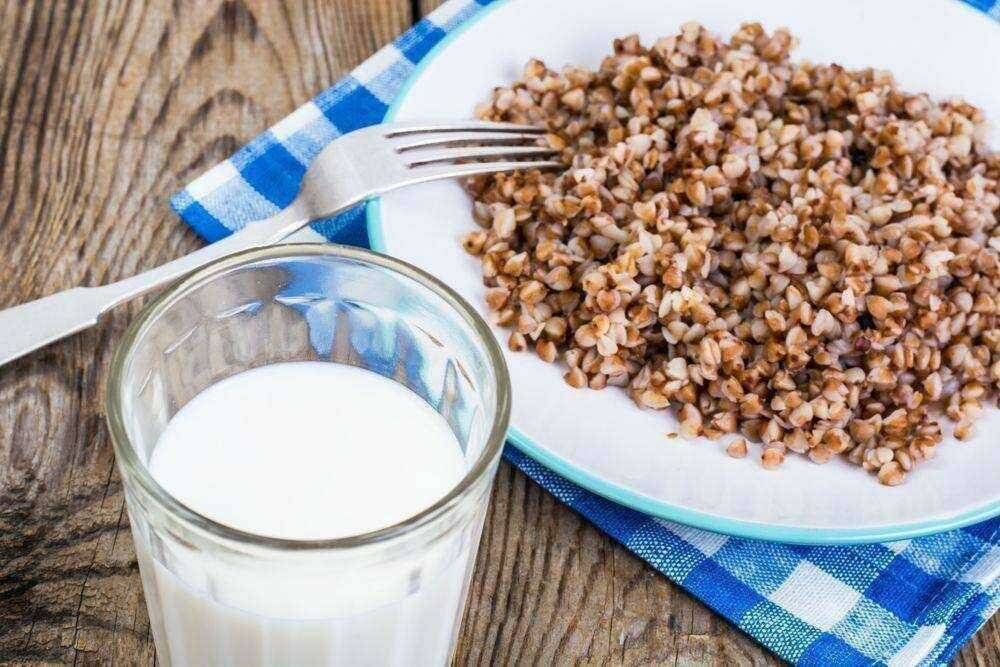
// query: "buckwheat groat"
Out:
[802,254]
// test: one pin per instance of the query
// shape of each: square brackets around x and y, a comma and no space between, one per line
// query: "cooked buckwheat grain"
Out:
[801,254]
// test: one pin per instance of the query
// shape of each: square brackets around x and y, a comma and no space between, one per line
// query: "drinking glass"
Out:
[220,595]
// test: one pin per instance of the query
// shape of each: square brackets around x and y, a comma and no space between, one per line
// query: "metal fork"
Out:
[354,167]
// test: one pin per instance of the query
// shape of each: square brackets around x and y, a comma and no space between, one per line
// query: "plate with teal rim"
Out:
[599,439]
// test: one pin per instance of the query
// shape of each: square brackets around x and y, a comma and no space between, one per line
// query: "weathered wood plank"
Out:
[427,6]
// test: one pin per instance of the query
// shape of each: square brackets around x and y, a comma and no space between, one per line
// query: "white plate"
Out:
[600,439]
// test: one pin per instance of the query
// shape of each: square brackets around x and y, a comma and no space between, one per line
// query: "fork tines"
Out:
[463,143]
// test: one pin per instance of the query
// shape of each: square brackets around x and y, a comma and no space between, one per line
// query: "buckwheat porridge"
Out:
[790,254]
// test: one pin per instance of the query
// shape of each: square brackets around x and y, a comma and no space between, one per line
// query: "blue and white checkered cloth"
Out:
[902,603]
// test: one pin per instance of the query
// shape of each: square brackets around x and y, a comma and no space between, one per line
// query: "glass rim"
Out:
[135,472]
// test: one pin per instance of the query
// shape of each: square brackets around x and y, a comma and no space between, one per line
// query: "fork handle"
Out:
[32,325]
[37,323]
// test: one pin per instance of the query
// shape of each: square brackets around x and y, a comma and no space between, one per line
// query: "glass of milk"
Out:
[307,436]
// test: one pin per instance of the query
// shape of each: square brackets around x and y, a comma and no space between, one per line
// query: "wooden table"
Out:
[106,108]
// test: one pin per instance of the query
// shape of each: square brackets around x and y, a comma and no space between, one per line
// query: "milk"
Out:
[307,450]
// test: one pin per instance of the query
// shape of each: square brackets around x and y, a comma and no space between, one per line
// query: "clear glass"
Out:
[218,595]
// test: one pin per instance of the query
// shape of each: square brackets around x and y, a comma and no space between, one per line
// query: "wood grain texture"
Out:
[106,108]
[427,6]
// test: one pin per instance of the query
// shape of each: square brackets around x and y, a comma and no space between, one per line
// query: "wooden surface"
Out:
[107,107]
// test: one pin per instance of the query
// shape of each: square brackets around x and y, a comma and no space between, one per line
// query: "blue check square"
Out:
[832,651]
[725,593]
[776,627]
[353,108]
[419,40]
[762,565]
[665,550]
[906,590]
[276,173]
[873,630]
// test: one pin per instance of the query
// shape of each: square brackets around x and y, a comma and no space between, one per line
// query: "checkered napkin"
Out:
[901,603]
